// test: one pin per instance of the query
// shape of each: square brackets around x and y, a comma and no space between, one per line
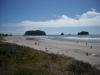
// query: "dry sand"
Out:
[78,50]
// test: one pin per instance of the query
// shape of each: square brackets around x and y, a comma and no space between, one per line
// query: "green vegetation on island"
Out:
[83,33]
[21,60]
[35,33]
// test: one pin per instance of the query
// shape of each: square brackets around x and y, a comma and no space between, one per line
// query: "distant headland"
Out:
[35,33]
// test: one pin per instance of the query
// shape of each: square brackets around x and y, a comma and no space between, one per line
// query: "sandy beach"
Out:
[87,52]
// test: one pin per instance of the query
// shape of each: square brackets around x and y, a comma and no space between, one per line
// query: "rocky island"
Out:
[83,33]
[35,33]
[62,34]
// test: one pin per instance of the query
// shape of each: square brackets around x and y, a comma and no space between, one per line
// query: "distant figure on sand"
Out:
[86,43]
[46,49]
[87,54]
[35,43]
[91,46]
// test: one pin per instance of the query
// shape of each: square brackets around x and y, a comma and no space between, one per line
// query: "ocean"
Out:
[76,38]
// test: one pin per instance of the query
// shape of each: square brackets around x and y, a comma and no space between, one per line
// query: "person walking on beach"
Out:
[35,43]
[91,47]
[86,43]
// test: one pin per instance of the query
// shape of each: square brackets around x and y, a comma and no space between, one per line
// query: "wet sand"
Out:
[87,52]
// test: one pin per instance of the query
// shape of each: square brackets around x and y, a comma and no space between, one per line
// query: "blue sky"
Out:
[17,16]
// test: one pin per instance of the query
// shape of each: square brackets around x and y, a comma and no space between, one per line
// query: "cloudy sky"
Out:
[52,16]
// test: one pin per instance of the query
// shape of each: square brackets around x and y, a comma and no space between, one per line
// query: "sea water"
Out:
[95,38]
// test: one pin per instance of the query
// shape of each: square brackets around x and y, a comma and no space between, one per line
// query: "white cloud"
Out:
[90,14]
[60,22]
[89,18]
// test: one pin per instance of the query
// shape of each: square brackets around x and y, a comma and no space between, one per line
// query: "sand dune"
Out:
[79,51]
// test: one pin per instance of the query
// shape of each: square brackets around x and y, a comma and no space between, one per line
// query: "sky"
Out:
[52,16]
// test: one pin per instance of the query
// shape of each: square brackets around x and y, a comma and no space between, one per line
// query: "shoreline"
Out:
[79,51]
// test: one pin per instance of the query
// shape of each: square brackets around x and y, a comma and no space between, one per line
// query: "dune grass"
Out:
[1,38]
[20,60]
